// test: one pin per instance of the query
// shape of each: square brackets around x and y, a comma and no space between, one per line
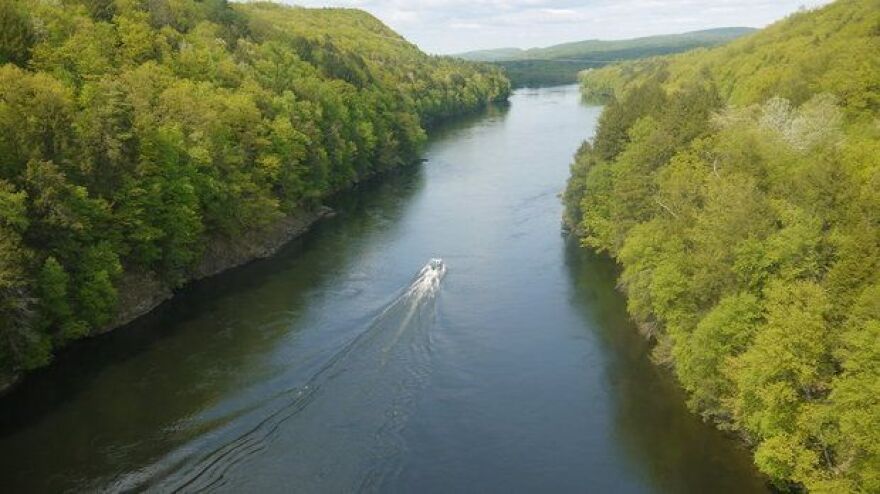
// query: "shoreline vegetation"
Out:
[738,188]
[144,145]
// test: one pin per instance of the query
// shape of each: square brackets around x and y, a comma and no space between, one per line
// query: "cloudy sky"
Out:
[451,26]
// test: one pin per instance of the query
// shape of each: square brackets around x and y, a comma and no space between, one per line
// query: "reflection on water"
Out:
[355,360]
[641,404]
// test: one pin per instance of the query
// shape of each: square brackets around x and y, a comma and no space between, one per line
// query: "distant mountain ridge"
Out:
[587,49]
[560,64]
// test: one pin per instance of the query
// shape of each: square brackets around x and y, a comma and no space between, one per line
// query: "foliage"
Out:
[738,188]
[134,132]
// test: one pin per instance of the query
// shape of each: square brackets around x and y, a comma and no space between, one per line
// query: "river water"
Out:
[349,362]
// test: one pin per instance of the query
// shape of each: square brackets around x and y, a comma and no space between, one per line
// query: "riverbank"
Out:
[141,293]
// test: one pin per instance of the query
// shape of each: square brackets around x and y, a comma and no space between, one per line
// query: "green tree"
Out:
[782,376]
[703,360]
[22,346]
[16,33]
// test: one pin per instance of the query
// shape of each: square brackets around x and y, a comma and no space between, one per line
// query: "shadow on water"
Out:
[652,423]
[102,402]
[452,128]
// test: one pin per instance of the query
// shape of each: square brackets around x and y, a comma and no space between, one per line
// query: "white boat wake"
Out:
[374,379]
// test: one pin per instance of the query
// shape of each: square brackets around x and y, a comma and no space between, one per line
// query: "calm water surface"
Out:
[336,367]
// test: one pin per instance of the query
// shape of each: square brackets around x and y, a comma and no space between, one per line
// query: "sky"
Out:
[454,26]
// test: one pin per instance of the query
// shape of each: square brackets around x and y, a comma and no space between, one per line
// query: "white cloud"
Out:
[466,25]
[449,26]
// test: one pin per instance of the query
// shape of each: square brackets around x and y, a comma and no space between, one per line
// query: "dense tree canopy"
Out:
[133,132]
[739,188]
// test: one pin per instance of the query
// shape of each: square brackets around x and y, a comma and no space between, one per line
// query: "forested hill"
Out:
[135,134]
[830,50]
[560,64]
[357,48]
[739,189]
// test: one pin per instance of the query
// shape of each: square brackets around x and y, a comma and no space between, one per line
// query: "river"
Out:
[348,363]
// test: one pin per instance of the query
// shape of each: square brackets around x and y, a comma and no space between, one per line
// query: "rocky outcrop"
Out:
[140,293]
[226,253]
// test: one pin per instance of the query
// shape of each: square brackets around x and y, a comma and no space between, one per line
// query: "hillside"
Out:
[560,64]
[739,189]
[142,143]
[809,53]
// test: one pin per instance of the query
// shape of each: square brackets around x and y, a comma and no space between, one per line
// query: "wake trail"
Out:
[374,377]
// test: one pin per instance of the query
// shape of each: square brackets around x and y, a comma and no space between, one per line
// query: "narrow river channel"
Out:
[350,363]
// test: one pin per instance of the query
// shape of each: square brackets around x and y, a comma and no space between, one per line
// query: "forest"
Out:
[561,64]
[738,188]
[134,133]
